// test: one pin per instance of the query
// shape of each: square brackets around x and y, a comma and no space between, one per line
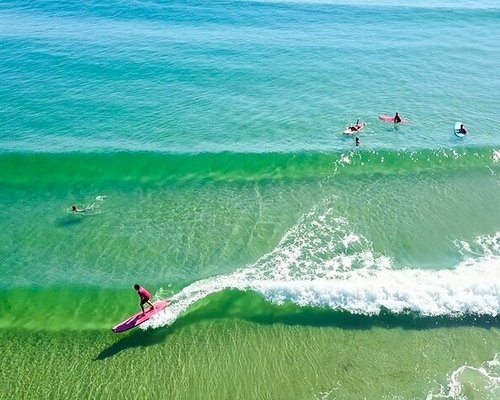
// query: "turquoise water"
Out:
[205,141]
[260,77]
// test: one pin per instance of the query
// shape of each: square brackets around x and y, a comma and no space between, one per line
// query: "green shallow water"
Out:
[233,350]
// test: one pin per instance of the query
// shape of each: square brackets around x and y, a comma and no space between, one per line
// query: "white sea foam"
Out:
[482,246]
[482,382]
[496,155]
[322,262]
[496,159]
[468,289]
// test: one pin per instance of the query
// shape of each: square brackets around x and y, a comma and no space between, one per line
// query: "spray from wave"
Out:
[321,262]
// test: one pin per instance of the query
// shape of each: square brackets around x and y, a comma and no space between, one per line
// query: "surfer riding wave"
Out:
[145,297]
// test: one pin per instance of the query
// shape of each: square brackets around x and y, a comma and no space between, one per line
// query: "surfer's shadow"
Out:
[149,337]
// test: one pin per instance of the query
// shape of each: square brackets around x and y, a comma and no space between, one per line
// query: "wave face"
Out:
[48,169]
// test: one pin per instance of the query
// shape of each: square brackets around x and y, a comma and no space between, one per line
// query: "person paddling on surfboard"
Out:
[355,127]
[397,119]
[145,297]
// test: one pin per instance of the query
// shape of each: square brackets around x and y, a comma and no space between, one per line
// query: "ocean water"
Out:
[204,139]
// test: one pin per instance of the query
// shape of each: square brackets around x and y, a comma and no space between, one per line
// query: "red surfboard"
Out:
[139,318]
[390,118]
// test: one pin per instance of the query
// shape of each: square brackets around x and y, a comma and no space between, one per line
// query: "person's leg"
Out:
[152,306]
[142,304]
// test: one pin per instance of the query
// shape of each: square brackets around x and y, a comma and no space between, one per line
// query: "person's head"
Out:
[462,126]
[73,208]
[397,115]
[136,286]
[357,140]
